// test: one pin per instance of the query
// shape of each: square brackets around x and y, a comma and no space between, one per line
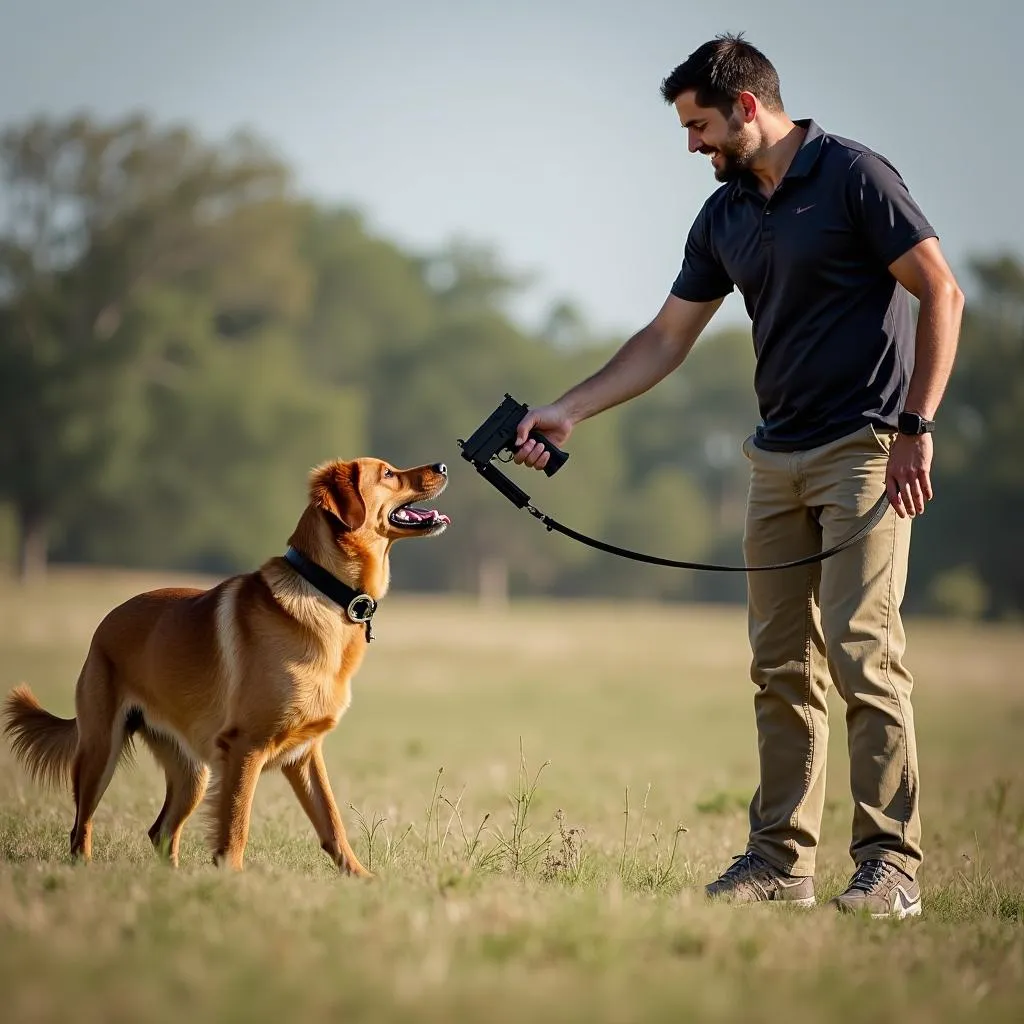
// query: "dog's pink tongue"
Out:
[419,515]
[433,516]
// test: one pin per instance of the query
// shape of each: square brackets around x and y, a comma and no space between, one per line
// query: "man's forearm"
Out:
[938,330]
[648,357]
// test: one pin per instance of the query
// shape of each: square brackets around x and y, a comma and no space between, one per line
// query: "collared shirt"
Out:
[833,334]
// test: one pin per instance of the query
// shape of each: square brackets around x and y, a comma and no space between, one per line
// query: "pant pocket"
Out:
[883,438]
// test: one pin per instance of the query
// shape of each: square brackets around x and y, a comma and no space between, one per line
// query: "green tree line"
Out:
[183,334]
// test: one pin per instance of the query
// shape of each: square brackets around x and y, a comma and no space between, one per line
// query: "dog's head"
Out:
[368,498]
[358,509]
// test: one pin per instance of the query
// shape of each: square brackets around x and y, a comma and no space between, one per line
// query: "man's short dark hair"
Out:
[720,70]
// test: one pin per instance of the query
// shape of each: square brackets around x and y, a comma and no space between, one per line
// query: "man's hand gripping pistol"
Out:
[497,435]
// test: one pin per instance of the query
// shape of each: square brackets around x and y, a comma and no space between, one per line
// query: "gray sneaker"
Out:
[751,879]
[881,889]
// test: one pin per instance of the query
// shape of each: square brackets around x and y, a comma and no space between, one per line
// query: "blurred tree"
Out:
[216,478]
[565,326]
[367,296]
[665,515]
[94,219]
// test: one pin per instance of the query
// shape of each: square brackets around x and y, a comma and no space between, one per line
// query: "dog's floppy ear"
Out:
[334,488]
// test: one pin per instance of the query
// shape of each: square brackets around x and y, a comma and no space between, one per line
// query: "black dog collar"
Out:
[359,607]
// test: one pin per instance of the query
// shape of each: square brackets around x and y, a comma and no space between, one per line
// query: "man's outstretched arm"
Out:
[647,357]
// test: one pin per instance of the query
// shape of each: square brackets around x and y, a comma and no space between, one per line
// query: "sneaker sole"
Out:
[804,903]
[900,912]
[807,901]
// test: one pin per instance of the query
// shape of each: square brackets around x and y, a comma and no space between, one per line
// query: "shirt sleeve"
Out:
[701,278]
[883,209]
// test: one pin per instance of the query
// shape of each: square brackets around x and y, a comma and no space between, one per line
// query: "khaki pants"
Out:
[838,620]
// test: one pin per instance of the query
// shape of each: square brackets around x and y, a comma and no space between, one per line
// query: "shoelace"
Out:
[742,864]
[870,874]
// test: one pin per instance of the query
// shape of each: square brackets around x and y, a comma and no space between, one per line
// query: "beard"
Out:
[737,153]
[732,166]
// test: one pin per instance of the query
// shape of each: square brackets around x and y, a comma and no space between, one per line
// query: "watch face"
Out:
[914,423]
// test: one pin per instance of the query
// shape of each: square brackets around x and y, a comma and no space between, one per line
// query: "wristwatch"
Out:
[913,423]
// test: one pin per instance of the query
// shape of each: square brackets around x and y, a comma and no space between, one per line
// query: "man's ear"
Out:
[334,488]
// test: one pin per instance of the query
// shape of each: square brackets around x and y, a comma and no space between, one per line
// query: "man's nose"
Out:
[694,141]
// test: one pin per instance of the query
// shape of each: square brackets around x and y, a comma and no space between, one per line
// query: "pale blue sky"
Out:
[536,126]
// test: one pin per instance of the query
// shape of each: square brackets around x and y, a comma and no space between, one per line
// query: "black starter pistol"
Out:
[495,438]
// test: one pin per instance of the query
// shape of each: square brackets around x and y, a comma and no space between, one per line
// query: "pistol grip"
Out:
[556,458]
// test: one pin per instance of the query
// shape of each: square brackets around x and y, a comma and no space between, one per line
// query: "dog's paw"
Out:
[227,860]
[356,870]
[342,855]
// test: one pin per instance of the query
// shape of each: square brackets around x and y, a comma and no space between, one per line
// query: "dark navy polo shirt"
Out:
[833,333]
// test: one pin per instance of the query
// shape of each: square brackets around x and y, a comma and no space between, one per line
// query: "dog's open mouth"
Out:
[412,518]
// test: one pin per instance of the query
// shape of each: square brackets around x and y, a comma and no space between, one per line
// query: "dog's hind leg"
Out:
[154,829]
[186,784]
[101,737]
[308,777]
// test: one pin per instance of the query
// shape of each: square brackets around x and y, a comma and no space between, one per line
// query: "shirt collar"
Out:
[807,155]
[802,163]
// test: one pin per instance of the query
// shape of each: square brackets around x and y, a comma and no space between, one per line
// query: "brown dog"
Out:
[249,675]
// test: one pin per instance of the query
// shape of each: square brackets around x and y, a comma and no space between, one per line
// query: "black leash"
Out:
[521,499]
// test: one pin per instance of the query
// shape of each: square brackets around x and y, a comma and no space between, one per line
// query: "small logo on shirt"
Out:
[802,209]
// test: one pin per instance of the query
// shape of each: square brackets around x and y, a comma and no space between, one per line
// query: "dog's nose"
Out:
[441,468]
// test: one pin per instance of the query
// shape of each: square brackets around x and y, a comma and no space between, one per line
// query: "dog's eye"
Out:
[387,473]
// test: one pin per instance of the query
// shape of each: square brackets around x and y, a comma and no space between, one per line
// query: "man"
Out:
[824,242]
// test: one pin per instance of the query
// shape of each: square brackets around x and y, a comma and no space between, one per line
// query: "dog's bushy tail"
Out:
[43,743]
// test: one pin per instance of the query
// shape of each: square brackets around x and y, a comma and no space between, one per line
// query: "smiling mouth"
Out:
[411,518]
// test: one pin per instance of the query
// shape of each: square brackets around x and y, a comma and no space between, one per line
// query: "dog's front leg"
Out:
[241,765]
[308,778]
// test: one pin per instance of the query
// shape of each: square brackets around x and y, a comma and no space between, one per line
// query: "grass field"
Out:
[578,899]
